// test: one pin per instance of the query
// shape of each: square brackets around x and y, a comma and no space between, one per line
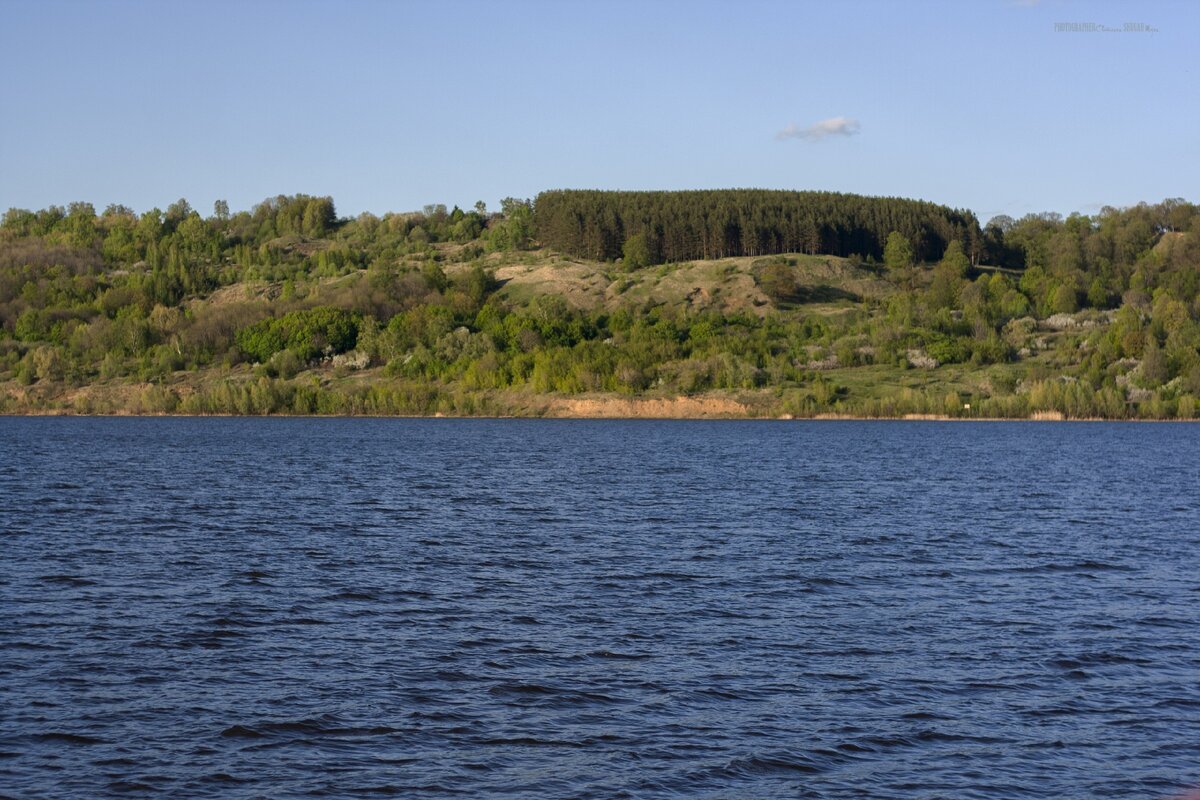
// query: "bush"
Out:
[285,364]
[948,350]
[992,350]
[309,334]
[778,281]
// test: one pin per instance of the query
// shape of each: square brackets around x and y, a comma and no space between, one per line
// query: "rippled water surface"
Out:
[557,609]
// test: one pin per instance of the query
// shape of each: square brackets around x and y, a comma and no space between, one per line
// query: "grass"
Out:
[829,284]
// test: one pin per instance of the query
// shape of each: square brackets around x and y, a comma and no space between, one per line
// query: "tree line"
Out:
[657,227]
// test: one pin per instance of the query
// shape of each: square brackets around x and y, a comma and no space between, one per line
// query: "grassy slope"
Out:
[726,285]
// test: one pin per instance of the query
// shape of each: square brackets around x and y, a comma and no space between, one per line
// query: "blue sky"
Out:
[979,104]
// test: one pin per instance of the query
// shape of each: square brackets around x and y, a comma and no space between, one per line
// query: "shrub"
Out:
[948,350]
[308,333]
[778,281]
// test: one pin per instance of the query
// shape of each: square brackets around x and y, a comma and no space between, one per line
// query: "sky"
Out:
[997,106]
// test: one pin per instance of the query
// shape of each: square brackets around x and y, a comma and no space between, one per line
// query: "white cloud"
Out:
[834,126]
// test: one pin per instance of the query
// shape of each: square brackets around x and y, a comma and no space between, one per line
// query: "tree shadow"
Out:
[826,294]
[803,295]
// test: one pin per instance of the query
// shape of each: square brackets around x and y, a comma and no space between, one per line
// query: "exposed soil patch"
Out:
[646,408]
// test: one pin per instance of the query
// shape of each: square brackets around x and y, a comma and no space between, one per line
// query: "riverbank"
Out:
[266,397]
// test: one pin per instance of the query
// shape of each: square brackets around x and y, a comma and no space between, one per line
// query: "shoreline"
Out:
[1034,418]
[149,400]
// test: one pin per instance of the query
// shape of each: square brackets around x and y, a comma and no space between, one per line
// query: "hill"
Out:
[287,308]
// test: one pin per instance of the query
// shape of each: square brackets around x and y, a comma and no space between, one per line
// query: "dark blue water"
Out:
[559,609]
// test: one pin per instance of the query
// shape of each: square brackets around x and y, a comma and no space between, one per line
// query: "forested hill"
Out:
[882,308]
[658,227]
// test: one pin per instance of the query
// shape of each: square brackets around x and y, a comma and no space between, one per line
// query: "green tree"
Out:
[1155,371]
[435,276]
[945,287]
[955,259]
[898,253]
[177,212]
[81,224]
[899,259]
[778,281]
[636,252]
[319,217]
[1063,300]
[1097,295]
[515,230]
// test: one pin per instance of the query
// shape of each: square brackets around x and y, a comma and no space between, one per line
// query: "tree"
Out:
[477,284]
[955,260]
[516,229]
[636,252]
[945,287]
[319,217]
[177,212]
[897,253]
[81,224]
[435,276]
[1002,222]
[898,256]
[1063,300]
[778,281]
[1155,371]
[1098,295]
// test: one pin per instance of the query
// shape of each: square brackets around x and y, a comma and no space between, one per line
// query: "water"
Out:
[559,609]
